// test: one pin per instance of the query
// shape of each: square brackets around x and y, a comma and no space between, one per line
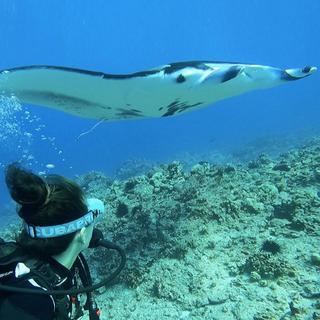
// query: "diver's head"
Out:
[53,209]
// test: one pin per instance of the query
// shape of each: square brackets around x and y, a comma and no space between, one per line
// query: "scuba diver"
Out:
[40,272]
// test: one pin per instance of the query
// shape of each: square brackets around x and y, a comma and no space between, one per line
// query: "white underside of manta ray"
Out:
[169,90]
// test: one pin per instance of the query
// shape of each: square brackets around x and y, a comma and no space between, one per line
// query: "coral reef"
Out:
[227,241]
[194,238]
[267,266]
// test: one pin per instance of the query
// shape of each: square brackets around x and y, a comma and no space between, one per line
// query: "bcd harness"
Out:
[43,272]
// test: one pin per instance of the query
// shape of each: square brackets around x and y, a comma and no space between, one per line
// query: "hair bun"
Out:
[25,187]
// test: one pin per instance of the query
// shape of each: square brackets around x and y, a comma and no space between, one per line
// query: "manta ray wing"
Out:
[165,91]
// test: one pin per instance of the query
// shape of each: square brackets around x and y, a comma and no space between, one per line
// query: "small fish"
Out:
[50,166]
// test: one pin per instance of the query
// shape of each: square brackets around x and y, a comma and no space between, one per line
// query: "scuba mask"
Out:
[95,209]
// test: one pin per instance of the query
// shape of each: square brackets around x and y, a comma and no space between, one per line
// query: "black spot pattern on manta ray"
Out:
[306,69]
[288,77]
[178,107]
[231,73]
[127,113]
[181,79]
[173,67]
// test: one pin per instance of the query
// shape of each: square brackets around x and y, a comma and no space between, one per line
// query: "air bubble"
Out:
[19,129]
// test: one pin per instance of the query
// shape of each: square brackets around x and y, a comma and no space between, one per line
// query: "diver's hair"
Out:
[43,202]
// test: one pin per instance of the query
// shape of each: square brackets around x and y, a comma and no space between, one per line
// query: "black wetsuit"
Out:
[26,307]
[20,306]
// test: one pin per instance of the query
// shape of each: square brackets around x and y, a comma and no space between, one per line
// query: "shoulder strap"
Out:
[10,255]
[43,274]
[40,271]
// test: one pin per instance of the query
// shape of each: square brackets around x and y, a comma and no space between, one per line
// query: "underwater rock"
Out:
[267,266]
[269,192]
[267,315]
[174,170]
[94,182]
[200,169]
[282,166]
[260,162]
[298,224]
[315,259]
[255,276]
[122,210]
[317,174]
[252,206]
[159,181]
[170,280]
[285,210]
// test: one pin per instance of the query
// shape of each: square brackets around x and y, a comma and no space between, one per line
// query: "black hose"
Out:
[86,280]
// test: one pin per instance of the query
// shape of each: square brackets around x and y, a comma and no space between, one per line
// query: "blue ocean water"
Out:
[128,36]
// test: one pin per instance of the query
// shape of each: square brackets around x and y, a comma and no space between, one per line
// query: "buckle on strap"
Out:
[31,230]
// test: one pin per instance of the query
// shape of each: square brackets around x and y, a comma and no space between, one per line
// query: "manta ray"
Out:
[169,90]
